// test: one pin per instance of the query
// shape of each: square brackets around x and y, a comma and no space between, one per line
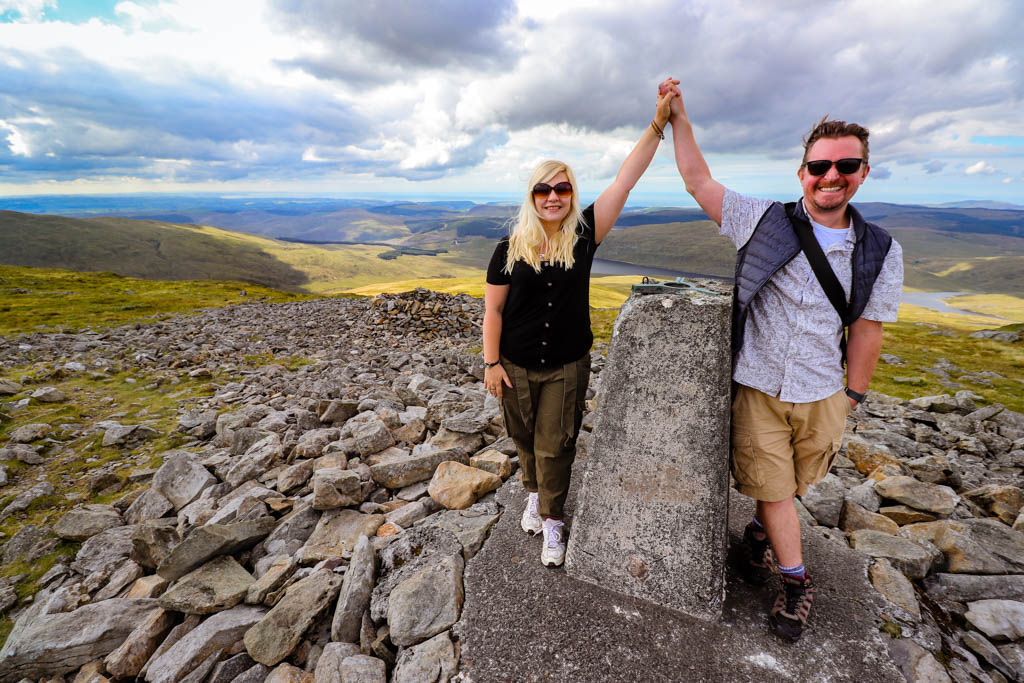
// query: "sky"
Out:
[465,97]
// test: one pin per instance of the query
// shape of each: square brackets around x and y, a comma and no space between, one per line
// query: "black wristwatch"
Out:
[491,365]
[855,395]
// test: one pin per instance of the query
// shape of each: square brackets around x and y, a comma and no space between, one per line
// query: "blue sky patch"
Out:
[999,141]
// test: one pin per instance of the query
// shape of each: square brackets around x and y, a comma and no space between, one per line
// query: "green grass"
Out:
[49,299]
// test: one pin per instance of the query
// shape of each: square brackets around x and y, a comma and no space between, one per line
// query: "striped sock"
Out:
[797,572]
[757,522]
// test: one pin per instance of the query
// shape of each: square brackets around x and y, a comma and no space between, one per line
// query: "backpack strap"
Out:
[819,264]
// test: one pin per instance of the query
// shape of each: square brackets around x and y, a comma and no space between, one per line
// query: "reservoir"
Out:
[606,267]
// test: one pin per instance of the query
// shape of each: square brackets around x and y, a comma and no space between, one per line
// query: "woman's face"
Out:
[550,207]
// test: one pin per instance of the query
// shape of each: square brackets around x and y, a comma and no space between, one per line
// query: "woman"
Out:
[537,334]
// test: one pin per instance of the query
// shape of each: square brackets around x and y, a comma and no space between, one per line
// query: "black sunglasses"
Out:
[563,189]
[844,166]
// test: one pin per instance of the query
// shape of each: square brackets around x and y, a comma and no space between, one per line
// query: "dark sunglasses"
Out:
[844,166]
[563,189]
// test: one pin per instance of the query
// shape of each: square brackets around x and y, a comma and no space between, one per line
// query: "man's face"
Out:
[832,191]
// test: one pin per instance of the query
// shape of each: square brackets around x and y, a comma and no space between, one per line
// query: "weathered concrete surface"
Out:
[523,621]
[652,508]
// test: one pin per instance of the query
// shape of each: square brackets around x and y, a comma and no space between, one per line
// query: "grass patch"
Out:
[49,299]
[1002,305]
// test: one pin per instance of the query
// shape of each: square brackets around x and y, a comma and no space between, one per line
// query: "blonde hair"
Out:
[526,234]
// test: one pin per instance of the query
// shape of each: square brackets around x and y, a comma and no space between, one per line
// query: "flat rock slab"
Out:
[652,507]
[523,621]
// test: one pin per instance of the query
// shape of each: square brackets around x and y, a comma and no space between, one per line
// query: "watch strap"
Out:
[855,395]
[491,365]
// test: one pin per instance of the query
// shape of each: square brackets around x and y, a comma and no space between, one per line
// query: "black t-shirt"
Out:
[546,320]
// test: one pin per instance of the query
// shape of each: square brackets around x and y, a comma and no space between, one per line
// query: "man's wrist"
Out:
[855,395]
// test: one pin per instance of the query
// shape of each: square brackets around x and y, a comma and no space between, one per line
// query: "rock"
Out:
[431,660]
[896,588]
[213,636]
[227,670]
[9,387]
[55,644]
[256,460]
[328,667]
[334,488]
[290,534]
[918,494]
[153,540]
[987,651]
[997,619]
[152,586]
[867,455]
[354,598]
[312,443]
[467,422]
[371,437]
[209,541]
[339,412]
[399,471]
[943,403]
[181,479]
[128,659]
[427,602]
[1013,653]
[105,552]
[30,432]
[22,543]
[85,521]
[22,452]
[1004,502]
[469,526]
[122,577]
[494,462]
[23,500]
[864,495]
[824,500]
[917,664]
[295,477]
[971,587]
[1007,337]
[151,504]
[336,534]
[901,514]
[286,673]
[363,669]
[216,586]
[914,559]
[457,486]
[981,546]
[855,517]
[279,571]
[277,634]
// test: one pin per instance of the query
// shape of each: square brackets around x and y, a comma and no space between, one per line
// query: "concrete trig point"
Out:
[651,518]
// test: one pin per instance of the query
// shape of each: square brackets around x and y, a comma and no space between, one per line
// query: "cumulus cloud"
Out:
[880,173]
[981,167]
[25,10]
[933,166]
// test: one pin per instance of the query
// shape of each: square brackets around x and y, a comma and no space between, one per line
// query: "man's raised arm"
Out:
[706,190]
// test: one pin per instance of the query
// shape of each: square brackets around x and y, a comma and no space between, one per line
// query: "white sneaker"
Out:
[553,552]
[531,522]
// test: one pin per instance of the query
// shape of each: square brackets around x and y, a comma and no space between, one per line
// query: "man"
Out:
[790,407]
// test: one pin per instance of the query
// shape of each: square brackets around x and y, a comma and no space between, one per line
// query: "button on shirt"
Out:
[792,335]
[546,319]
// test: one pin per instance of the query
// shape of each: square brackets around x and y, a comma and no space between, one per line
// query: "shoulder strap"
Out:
[819,264]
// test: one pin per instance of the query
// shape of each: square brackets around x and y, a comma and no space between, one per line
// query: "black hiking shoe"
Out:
[757,562]
[792,607]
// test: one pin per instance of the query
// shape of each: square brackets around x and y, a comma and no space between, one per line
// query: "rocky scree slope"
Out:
[315,522]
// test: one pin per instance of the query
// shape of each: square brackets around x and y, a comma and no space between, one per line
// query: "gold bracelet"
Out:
[659,131]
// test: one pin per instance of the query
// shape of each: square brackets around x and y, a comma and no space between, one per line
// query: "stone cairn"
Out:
[428,315]
[316,522]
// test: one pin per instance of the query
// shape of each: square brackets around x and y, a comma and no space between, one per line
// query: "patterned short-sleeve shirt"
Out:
[791,340]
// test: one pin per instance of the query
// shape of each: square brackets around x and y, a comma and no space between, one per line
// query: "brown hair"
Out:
[835,129]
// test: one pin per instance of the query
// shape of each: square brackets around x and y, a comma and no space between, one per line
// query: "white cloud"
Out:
[26,10]
[15,140]
[980,167]
[1007,180]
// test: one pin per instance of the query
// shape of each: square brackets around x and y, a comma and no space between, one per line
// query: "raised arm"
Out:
[695,172]
[609,205]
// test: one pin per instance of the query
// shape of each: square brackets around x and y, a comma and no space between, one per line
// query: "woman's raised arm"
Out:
[609,204]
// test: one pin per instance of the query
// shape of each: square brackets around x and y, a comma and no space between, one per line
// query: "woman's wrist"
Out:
[491,365]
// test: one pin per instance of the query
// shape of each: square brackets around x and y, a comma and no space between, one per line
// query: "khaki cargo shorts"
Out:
[781,448]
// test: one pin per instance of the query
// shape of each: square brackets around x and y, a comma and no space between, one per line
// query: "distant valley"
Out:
[324,245]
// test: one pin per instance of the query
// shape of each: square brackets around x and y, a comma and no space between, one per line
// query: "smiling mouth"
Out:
[831,188]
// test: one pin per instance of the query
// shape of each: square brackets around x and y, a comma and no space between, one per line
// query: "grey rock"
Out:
[469,526]
[408,514]
[433,660]
[42,645]
[864,495]
[336,534]
[22,543]
[26,498]
[987,651]
[334,487]
[356,589]
[85,521]
[122,577]
[150,505]
[9,387]
[30,432]
[997,619]
[918,494]
[971,587]
[824,500]
[23,453]
[290,534]
[981,546]
[216,586]
[371,437]
[255,674]
[912,558]
[295,476]
[278,571]
[414,550]
[312,443]
[105,552]
[153,540]
[127,660]
[181,479]
[229,669]
[328,667]
[896,588]
[339,412]
[255,461]
[277,635]
[427,602]
[363,669]
[207,542]
[917,664]
[215,635]
[467,422]
[401,470]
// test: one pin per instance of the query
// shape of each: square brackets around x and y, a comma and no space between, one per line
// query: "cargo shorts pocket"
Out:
[828,459]
[745,468]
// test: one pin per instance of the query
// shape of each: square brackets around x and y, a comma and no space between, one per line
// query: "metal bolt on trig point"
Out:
[678,286]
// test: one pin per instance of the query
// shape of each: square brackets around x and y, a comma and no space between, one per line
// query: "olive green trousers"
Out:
[543,411]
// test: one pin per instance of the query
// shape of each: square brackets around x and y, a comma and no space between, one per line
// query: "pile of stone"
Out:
[428,315]
[933,489]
